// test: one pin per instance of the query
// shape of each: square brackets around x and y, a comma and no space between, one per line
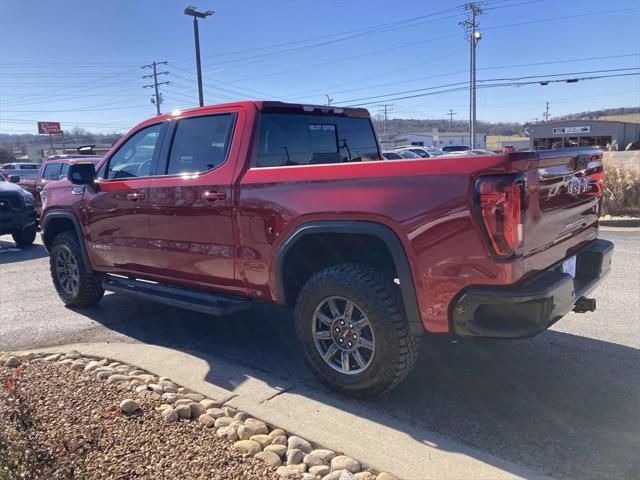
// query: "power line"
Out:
[369,30]
[506,84]
[490,80]
[411,44]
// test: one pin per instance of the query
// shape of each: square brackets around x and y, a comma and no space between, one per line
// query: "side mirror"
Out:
[82,173]
[14,178]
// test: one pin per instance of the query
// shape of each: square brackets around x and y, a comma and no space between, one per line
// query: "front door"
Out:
[115,211]
[190,202]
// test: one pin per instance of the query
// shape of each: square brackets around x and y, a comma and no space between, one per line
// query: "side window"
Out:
[64,171]
[298,139]
[200,143]
[133,159]
[51,171]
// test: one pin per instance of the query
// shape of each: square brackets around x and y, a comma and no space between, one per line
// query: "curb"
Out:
[620,222]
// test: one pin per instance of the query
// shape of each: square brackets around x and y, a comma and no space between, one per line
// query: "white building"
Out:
[439,139]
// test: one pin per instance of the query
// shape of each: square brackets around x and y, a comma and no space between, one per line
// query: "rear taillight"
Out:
[500,203]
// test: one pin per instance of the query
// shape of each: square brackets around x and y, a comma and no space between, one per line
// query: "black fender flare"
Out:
[378,230]
[51,215]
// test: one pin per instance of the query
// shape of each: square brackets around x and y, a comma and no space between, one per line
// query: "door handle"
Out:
[134,197]
[214,196]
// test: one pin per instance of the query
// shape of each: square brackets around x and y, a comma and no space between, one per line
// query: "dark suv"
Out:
[17,212]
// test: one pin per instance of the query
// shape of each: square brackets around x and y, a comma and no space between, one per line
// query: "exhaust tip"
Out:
[584,305]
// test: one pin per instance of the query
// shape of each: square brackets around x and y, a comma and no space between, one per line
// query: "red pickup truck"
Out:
[52,169]
[215,208]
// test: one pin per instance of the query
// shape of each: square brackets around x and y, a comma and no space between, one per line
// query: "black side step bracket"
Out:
[182,297]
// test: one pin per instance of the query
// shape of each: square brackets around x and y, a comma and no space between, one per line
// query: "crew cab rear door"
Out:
[191,200]
[115,212]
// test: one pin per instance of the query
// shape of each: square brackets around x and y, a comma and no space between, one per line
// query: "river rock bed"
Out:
[69,416]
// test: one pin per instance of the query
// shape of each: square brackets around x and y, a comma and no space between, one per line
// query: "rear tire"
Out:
[25,237]
[356,309]
[76,285]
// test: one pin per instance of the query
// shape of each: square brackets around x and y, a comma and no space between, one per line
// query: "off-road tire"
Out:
[25,237]
[379,298]
[89,291]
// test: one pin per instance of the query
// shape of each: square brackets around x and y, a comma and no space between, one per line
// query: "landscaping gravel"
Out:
[78,431]
[65,416]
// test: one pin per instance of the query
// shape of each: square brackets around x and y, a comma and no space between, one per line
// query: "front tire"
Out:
[75,284]
[25,237]
[351,325]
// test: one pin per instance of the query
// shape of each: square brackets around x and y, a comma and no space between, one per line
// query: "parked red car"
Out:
[52,170]
[215,208]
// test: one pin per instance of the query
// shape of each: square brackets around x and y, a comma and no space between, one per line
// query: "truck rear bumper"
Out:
[530,307]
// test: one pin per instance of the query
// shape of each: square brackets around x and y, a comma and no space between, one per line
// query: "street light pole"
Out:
[191,11]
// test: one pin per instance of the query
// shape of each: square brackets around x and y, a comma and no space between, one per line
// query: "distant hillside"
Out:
[398,126]
[594,114]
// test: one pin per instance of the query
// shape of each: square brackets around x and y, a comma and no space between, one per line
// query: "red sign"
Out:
[49,128]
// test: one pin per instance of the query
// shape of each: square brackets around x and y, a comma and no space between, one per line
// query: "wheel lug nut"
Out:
[355,336]
[350,344]
[350,325]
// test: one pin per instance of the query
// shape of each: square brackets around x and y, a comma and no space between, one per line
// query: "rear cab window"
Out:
[302,139]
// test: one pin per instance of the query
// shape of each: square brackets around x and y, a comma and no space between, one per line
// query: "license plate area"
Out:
[569,266]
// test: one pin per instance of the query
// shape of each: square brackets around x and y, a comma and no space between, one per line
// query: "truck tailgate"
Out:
[564,197]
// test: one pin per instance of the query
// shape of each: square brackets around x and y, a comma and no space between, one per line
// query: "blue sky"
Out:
[78,62]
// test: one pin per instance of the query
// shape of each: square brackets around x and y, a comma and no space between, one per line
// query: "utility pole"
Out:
[329,99]
[451,114]
[191,11]
[546,113]
[471,28]
[157,96]
[386,116]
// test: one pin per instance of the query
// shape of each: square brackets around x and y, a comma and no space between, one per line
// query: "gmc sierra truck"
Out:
[215,208]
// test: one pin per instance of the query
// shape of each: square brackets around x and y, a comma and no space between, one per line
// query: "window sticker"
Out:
[326,128]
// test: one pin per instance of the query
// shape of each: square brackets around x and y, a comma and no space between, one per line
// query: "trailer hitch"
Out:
[584,305]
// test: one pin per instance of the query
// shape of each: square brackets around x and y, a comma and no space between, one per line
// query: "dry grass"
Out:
[621,190]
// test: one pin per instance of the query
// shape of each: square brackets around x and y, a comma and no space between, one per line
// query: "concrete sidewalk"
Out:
[379,441]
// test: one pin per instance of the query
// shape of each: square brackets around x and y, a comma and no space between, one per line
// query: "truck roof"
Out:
[267,106]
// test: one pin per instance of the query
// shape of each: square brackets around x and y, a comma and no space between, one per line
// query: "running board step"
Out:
[190,299]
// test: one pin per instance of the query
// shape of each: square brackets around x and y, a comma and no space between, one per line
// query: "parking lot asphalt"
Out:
[564,403]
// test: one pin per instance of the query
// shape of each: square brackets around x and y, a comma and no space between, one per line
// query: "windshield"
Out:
[409,154]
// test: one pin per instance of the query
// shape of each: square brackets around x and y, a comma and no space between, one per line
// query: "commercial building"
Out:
[583,133]
[438,139]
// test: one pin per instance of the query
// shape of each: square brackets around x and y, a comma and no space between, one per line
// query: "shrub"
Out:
[621,190]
